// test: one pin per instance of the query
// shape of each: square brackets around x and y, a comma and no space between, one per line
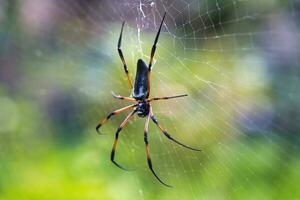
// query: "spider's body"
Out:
[140,90]
[142,106]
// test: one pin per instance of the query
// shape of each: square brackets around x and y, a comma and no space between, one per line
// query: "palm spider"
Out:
[142,106]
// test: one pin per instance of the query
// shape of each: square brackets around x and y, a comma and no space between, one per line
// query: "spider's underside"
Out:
[141,106]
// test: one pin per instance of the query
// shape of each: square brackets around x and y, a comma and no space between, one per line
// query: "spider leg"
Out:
[122,98]
[165,98]
[167,134]
[148,153]
[155,42]
[112,155]
[122,56]
[153,52]
[101,122]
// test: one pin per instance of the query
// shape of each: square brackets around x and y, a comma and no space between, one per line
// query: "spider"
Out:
[142,106]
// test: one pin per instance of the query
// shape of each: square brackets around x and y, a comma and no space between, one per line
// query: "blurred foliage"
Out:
[55,84]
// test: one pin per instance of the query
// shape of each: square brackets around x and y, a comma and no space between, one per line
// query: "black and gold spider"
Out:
[142,106]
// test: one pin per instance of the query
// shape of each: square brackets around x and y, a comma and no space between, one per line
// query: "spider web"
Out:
[239,62]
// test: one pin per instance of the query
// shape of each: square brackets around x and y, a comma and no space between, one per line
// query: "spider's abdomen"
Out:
[140,90]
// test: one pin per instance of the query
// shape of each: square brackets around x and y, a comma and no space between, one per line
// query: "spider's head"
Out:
[142,109]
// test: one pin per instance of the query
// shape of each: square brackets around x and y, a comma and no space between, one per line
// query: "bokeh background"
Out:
[237,59]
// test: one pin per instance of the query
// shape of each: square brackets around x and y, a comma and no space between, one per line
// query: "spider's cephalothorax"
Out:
[141,106]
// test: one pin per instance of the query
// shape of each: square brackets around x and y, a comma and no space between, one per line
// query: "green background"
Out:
[237,60]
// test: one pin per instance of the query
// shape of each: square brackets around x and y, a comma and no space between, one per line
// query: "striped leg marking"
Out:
[167,134]
[153,52]
[112,156]
[122,98]
[148,152]
[113,113]
[122,56]
[166,98]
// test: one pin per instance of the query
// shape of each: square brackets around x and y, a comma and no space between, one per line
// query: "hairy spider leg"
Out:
[167,134]
[122,56]
[153,52]
[165,98]
[112,155]
[148,152]
[101,122]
